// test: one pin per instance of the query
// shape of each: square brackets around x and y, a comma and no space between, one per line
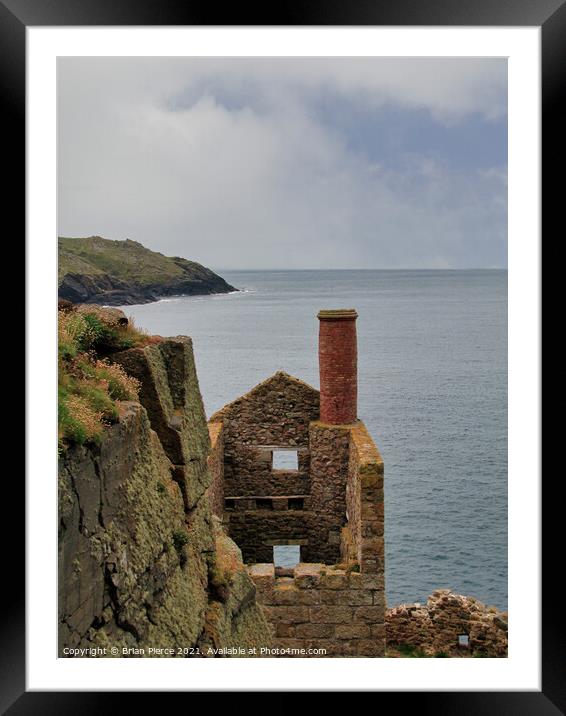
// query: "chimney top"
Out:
[337,314]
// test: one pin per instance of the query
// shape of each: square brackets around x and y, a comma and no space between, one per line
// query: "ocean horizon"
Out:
[432,347]
[221,271]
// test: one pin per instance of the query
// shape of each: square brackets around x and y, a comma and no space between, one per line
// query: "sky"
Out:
[288,163]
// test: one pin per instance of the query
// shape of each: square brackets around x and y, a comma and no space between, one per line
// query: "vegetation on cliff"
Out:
[145,569]
[97,270]
[90,385]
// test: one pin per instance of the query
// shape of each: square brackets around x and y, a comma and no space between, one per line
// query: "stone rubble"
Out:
[435,627]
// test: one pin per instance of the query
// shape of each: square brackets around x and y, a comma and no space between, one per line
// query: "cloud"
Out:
[230,163]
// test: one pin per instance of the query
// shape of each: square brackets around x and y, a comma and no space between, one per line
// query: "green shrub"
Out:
[70,328]
[180,539]
[121,386]
[98,336]
[78,421]
[67,350]
[99,400]
[95,332]
[410,651]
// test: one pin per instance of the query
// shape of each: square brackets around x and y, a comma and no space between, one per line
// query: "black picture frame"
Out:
[15,16]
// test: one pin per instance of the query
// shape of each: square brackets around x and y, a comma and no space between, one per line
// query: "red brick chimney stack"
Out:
[338,361]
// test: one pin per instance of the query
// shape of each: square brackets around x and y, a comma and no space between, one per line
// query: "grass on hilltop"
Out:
[127,260]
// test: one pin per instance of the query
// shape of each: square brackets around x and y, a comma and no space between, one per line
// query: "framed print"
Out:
[341,208]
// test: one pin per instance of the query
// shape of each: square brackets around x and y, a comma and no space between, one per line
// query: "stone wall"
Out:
[337,607]
[363,537]
[321,607]
[255,476]
[144,566]
[263,505]
[256,531]
[276,413]
[435,628]
[329,446]
[216,468]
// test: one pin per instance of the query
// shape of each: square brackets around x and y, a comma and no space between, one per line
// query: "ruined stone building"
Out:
[294,466]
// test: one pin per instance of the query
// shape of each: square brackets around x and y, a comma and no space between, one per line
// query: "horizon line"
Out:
[474,268]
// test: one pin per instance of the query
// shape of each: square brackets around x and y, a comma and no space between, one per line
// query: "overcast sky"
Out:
[288,163]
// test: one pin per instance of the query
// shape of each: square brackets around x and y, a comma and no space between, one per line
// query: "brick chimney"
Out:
[338,362]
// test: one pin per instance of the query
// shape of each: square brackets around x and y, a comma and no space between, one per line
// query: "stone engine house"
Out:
[295,466]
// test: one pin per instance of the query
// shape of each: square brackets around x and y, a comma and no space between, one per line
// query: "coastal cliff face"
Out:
[97,270]
[143,563]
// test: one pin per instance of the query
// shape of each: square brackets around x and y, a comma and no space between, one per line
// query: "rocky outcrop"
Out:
[447,625]
[112,291]
[98,270]
[144,567]
[233,616]
[111,317]
[100,288]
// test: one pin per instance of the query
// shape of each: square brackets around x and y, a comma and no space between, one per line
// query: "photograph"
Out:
[282,352]
[282,357]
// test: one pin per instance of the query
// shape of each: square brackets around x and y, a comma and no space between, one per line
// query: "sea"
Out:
[432,382]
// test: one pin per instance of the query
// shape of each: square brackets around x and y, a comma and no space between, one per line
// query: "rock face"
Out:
[97,270]
[143,563]
[448,625]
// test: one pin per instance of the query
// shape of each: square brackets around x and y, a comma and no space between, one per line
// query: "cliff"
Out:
[97,270]
[145,569]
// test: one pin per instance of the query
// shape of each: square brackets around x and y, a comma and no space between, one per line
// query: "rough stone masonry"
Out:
[330,504]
